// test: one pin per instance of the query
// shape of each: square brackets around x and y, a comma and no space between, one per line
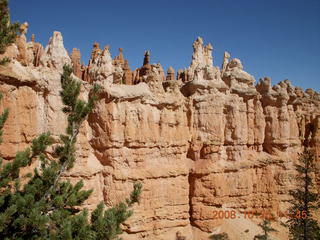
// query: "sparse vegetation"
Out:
[304,201]
[4,61]
[220,236]
[265,225]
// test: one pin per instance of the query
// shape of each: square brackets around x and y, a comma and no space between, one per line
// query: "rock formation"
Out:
[208,141]
[161,72]
[100,65]
[119,59]
[128,74]
[170,74]
[96,51]
[125,75]
[22,44]
[141,74]
[226,58]
[76,62]
[55,55]
[38,51]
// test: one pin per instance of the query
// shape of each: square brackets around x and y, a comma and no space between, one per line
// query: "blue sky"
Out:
[275,38]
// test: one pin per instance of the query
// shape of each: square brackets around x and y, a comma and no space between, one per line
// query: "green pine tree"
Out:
[8,31]
[220,236]
[43,206]
[3,119]
[304,201]
[265,225]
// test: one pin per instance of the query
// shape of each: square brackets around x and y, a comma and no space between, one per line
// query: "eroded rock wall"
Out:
[209,141]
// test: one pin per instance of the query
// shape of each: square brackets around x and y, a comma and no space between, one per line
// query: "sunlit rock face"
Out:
[55,55]
[207,139]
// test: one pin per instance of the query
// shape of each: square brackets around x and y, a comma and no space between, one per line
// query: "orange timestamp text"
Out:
[264,214]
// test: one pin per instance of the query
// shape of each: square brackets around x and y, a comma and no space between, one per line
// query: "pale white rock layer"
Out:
[55,55]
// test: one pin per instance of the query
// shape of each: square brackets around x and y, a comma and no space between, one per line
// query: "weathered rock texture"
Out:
[210,140]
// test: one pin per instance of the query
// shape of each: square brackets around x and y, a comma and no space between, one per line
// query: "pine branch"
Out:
[63,168]
[76,115]
[3,118]
[4,61]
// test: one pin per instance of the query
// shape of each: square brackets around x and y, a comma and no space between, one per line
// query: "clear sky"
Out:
[275,38]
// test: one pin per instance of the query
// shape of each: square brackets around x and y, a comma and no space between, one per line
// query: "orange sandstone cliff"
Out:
[208,139]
